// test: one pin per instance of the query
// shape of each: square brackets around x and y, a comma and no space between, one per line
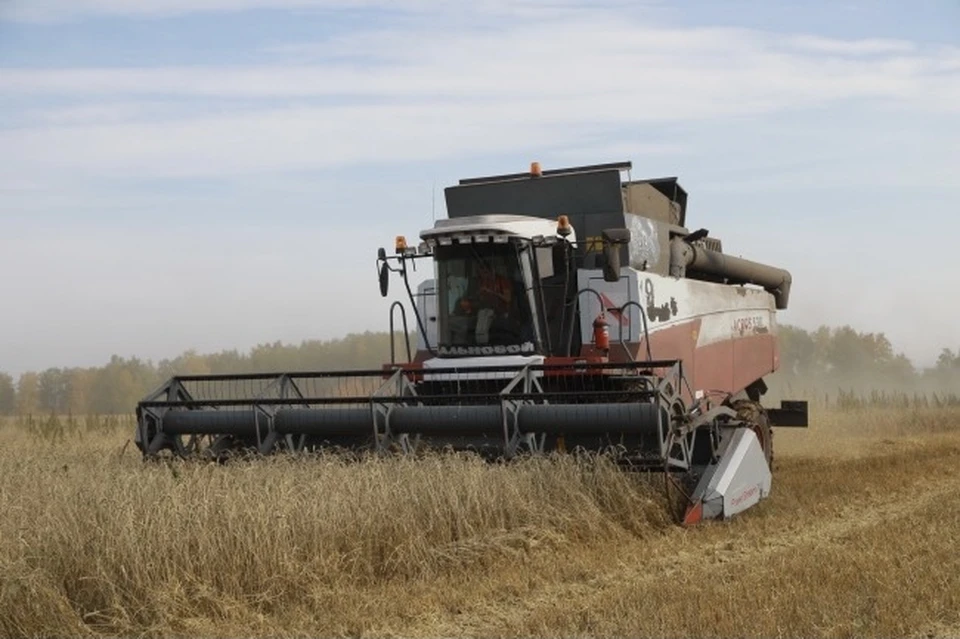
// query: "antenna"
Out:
[433,201]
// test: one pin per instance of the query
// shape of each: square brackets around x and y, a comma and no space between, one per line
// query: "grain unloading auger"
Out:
[570,310]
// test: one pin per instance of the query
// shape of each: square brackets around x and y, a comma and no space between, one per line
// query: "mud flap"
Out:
[739,480]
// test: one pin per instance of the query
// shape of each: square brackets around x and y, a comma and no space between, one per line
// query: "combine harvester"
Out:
[570,310]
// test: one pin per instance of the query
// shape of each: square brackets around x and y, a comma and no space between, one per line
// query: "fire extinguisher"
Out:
[601,333]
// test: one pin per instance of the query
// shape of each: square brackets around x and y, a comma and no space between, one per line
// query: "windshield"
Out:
[484,299]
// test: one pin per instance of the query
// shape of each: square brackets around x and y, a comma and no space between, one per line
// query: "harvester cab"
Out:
[569,310]
[501,288]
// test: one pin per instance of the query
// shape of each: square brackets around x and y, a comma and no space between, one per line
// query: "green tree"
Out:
[27,394]
[948,360]
[79,382]
[798,352]
[52,391]
[8,395]
[117,387]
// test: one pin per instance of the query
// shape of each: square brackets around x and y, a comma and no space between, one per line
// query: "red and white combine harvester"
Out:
[570,310]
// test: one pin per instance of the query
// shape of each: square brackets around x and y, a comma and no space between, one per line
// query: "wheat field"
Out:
[859,538]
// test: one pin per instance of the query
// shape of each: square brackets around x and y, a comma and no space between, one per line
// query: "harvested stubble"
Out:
[859,538]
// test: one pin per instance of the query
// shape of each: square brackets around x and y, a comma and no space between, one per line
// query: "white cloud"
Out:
[555,59]
[867,46]
[429,96]
[63,10]
[47,11]
[102,111]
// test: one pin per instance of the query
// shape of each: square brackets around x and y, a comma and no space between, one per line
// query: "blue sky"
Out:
[217,173]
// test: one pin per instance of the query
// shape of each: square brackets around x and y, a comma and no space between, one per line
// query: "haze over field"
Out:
[213,174]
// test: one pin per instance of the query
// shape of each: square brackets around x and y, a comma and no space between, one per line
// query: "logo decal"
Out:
[660,313]
[745,325]
[744,496]
[500,349]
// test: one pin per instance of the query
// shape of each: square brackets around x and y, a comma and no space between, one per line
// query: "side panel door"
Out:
[426,297]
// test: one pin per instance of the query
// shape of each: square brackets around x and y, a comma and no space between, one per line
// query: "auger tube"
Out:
[551,419]
[735,270]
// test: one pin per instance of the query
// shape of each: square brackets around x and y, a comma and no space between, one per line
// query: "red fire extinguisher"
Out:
[601,333]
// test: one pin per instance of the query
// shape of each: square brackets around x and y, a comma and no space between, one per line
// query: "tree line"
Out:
[117,386]
[840,360]
[826,359]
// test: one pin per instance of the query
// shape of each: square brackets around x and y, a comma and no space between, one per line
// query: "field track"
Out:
[794,568]
[860,538]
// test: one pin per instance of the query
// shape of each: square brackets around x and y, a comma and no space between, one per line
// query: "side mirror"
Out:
[384,271]
[612,240]
[384,279]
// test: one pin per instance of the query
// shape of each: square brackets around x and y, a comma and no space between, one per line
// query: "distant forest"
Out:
[827,360]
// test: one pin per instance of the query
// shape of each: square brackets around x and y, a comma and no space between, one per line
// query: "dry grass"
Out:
[860,538]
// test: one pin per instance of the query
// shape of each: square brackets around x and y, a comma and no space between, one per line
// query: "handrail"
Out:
[580,367]
[406,332]
[646,333]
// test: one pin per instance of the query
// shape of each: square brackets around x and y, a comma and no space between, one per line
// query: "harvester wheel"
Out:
[177,446]
[755,415]
[208,447]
